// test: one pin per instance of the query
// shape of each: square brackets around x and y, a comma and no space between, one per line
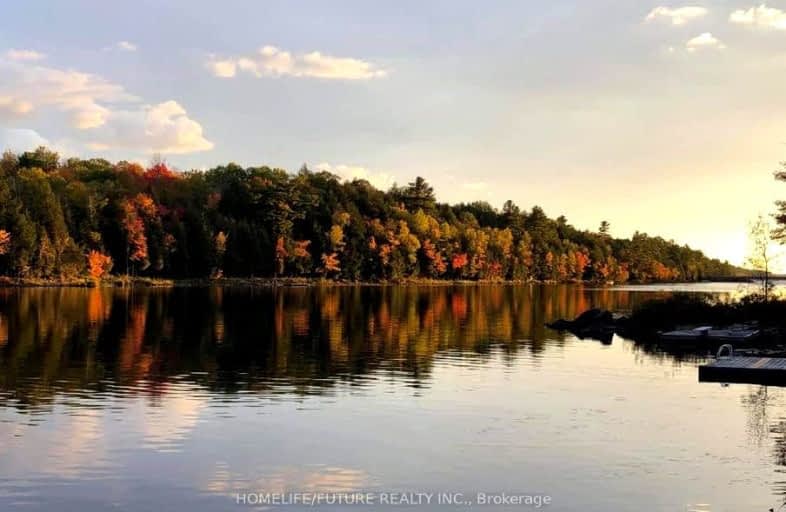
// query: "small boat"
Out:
[697,333]
[735,334]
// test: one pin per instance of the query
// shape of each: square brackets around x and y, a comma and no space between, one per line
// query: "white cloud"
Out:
[20,139]
[81,96]
[14,107]
[761,16]
[162,128]
[123,46]
[126,46]
[28,55]
[103,113]
[705,40]
[380,180]
[678,16]
[222,68]
[89,116]
[271,61]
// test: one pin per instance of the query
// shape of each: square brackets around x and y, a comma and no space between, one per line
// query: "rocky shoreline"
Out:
[653,323]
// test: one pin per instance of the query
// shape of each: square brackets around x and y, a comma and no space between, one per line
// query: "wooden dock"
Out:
[745,370]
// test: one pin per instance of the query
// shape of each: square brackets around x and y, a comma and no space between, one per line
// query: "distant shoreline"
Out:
[300,282]
[239,282]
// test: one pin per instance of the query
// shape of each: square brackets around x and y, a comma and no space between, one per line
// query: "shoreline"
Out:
[243,282]
[291,282]
[681,324]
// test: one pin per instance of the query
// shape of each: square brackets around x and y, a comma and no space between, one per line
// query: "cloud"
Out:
[271,61]
[162,128]
[222,68]
[14,107]
[380,180]
[82,96]
[123,46]
[761,16]
[126,46]
[19,55]
[103,113]
[678,16]
[21,139]
[705,40]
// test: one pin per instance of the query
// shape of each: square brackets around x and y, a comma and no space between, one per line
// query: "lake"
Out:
[212,399]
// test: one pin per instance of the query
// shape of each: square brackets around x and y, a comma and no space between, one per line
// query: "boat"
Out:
[709,334]
[697,333]
[733,335]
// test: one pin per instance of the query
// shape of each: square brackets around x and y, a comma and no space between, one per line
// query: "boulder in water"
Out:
[594,323]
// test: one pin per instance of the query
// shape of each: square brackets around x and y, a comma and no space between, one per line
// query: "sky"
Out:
[666,118]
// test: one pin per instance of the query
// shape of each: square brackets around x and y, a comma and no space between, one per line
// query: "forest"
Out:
[67,218]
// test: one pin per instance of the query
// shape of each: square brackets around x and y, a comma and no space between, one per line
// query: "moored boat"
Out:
[697,333]
[733,334]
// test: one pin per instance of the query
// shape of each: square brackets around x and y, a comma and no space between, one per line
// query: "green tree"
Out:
[419,195]
[42,158]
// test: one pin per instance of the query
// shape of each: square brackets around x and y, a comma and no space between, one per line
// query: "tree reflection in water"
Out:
[759,403]
[65,340]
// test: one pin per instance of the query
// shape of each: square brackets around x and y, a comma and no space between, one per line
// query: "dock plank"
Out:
[752,370]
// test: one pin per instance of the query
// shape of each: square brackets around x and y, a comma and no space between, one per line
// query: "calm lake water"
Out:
[163,400]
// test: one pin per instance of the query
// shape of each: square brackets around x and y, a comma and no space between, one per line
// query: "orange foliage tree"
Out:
[459,261]
[582,260]
[145,205]
[220,247]
[5,241]
[281,255]
[435,262]
[159,171]
[330,263]
[300,256]
[134,228]
[98,264]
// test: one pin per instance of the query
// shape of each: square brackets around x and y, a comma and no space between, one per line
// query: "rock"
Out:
[560,325]
[595,323]
[592,317]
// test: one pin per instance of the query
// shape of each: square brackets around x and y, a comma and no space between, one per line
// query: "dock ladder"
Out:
[729,350]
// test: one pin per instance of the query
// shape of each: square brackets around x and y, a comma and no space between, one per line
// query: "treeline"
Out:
[75,217]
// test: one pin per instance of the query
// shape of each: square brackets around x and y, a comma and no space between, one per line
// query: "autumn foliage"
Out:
[77,216]
[98,264]
[134,227]
[5,241]
[459,261]
[330,263]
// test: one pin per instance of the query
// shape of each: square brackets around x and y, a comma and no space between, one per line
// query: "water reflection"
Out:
[232,339]
[154,399]
[760,403]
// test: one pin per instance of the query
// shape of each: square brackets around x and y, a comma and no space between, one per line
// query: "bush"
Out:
[691,309]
